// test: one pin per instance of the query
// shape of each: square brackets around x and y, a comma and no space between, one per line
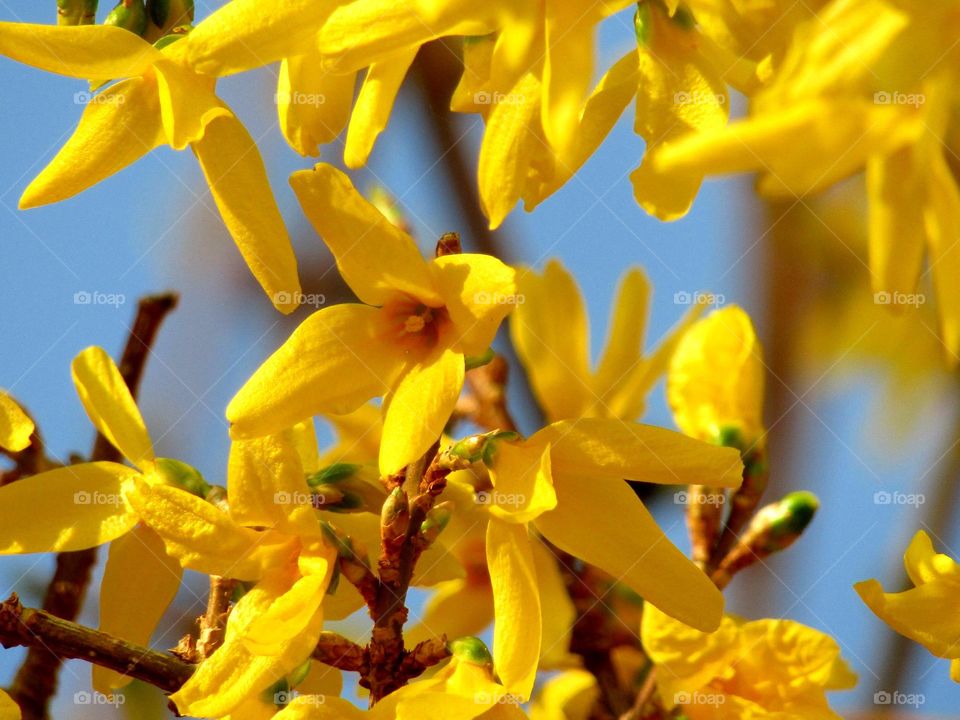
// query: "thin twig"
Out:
[27,627]
[36,680]
[213,625]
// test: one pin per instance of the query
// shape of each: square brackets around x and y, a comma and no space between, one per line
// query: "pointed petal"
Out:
[15,426]
[246,34]
[479,291]
[557,610]
[333,363]
[287,616]
[72,508]
[628,322]
[522,483]
[516,602]
[510,142]
[549,329]
[613,450]
[187,103]
[313,102]
[238,183]
[119,125]
[109,404]
[97,52]
[304,438]
[139,583]
[376,258]
[374,104]
[568,67]
[614,531]
[942,218]
[418,408]
[925,565]
[204,538]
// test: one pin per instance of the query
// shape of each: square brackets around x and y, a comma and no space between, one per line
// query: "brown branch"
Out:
[339,652]
[27,627]
[36,680]
[213,625]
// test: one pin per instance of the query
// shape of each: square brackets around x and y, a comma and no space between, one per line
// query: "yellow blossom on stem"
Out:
[407,342]
[746,669]
[551,334]
[926,613]
[161,100]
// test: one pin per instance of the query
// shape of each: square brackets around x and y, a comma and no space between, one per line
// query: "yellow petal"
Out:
[287,616]
[313,102]
[375,257]
[925,565]
[238,183]
[374,104]
[9,710]
[549,329]
[15,426]
[187,103]
[360,33]
[942,216]
[332,708]
[522,484]
[97,52]
[72,508]
[418,408]
[204,538]
[557,610]
[266,487]
[358,435]
[614,531]
[613,450]
[478,292]
[516,602]
[716,377]
[110,406]
[246,34]
[233,674]
[333,362]
[567,68]
[509,144]
[119,125]
[139,583]
[304,438]
[628,322]
[571,694]
[456,608]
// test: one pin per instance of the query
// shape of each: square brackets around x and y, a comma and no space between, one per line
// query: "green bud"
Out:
[166,14]
[183,476]
[471,649]
[299,674]
[338,472]
[130,15]
[794,513]
[643,23]
[171,37]
[76,12]
[334,580]
[436,521]
[481,447]
[684,18]
[475,361]
[730,436]
[395,514]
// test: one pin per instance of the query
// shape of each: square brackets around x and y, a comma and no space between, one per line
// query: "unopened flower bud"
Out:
[76,12]
[449,244]
[332,474]
[164,15]
[179,474]
[436,521]
[472,650]
[395,516]
[130,15]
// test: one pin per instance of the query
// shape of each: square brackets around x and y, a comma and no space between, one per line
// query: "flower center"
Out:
[413,325]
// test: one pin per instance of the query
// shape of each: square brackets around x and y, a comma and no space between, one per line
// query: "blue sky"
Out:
[154,227]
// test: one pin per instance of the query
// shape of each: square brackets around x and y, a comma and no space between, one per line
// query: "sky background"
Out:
[850,420]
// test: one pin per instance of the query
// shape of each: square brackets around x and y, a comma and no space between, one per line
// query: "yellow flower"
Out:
[928,612]
[551,333]
[746,669]
[9,710]
[570,695]
[162,101]
[715,383]
[464,689]
[16,427]
[407,342]
[274,628]
[83,506]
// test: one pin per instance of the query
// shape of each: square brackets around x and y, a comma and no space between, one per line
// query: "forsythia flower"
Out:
[15,425]
[274,628]
[464,689]
[571,695]
[927,612]
[82,506]
[777,669]
[551,334]
[407,342]
[716,378]
[866,85]
[162,101]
